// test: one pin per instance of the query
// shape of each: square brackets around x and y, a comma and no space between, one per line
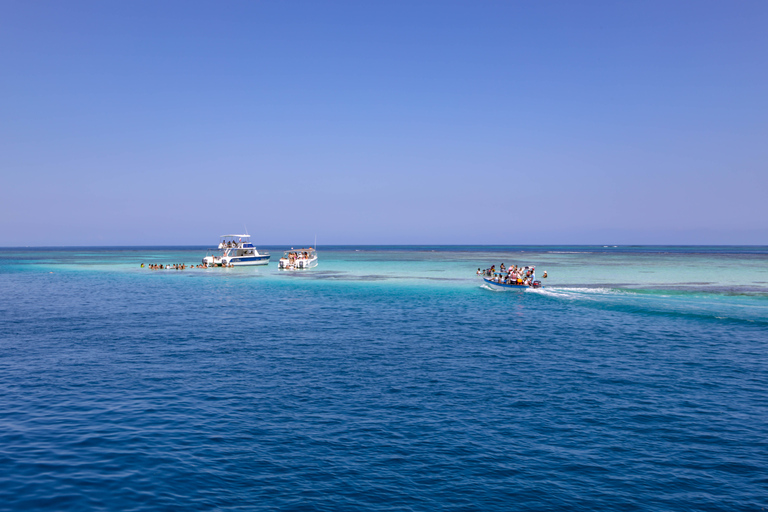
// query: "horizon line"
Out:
[601,245]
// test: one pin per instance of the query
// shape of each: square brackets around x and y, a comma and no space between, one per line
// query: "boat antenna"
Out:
[315,241]
[246,228]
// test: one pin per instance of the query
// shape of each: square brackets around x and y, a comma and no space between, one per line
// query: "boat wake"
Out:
[753,309]
[486,286]
[578,293]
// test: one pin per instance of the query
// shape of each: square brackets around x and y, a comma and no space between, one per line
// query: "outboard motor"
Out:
[536,284]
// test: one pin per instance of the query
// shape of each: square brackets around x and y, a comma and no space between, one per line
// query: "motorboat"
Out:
[298,259]
[503,280]
[236,251]
[508,285]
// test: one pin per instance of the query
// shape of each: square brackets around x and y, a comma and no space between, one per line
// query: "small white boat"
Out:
[298,259]
[235,250]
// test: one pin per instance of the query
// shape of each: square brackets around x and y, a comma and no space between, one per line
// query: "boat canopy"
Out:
[234,236]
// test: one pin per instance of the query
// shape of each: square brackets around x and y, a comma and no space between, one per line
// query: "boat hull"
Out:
[243,261]
[303,264]
[504,286]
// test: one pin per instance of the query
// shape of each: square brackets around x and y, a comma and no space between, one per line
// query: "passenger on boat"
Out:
[502,267]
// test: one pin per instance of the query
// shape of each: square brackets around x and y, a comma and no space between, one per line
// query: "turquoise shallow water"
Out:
[387,378]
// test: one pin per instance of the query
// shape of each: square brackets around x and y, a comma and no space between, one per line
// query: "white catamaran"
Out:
[235,250]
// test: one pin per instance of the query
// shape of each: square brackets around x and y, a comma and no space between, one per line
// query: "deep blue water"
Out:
[127,389]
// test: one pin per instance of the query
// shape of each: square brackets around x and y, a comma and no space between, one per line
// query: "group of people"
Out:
[514,275]
[293,256]
[173,266]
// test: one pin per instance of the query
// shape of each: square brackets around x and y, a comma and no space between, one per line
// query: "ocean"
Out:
[387,378]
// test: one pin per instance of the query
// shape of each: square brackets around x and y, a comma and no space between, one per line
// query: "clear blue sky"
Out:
[158,122]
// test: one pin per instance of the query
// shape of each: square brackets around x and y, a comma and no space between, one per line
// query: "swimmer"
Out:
[545,274]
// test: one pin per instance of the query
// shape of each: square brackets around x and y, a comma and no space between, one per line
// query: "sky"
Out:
[389,122]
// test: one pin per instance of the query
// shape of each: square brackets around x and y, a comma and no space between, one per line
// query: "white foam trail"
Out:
[612,291]
[595,290]
[577,293]
[551,293]
[492,288]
